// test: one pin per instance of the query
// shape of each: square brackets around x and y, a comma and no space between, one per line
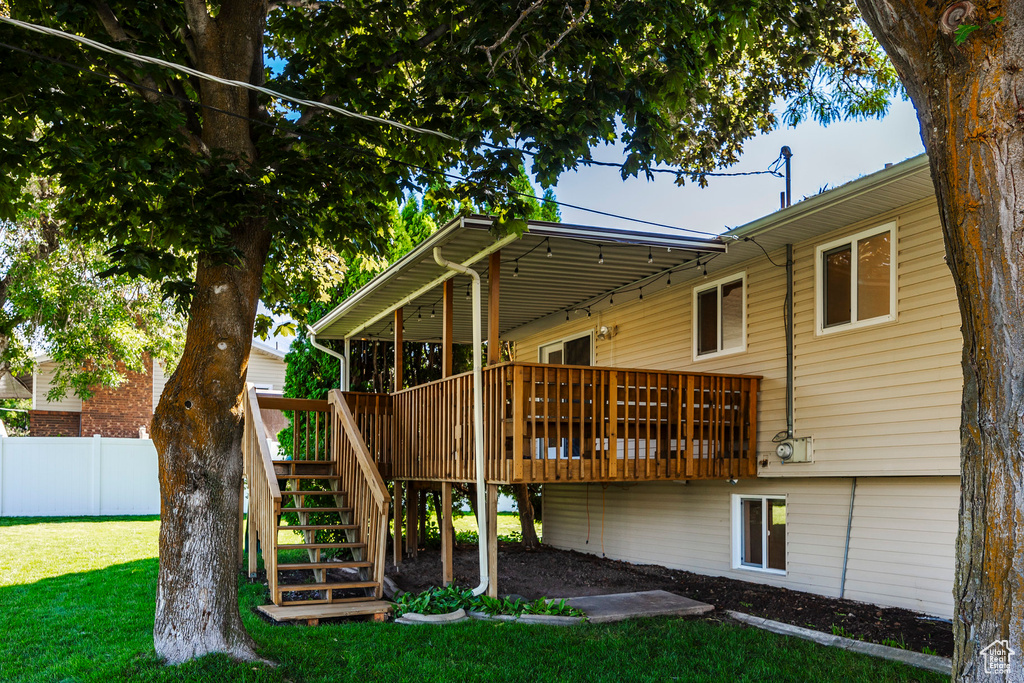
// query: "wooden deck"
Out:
[558,423]
[312,614]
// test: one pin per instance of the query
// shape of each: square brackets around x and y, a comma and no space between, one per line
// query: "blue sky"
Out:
[822,155]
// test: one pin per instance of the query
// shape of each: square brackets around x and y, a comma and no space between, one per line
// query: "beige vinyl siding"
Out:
[901,544]
[265,369]
[159,380]
[42,383]
[881,399]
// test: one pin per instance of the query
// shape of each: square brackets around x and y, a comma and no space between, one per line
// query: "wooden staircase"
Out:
[332,496]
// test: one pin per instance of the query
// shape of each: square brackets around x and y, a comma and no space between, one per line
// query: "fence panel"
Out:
[60,476]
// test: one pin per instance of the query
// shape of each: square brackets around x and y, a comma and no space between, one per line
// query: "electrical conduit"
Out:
[478,413]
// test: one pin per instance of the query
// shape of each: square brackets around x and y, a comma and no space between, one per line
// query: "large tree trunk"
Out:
[970,102]
[197,427]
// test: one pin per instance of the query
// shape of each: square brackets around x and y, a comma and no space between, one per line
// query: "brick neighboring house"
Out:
[121,412]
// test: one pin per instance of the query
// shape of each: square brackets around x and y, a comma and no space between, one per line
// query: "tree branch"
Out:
[498,43]
[573,23]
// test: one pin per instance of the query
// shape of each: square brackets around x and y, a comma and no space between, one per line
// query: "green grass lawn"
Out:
[77,597]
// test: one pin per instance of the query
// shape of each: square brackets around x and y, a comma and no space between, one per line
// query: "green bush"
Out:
[452,598]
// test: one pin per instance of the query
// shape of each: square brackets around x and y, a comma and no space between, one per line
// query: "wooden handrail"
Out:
[261,440]
[276,402]
[378,488]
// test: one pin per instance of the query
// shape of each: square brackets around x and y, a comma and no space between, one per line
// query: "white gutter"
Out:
[343,376]
[478,415]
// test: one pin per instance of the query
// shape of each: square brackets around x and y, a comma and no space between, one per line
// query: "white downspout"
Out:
[343,377]
[478,414]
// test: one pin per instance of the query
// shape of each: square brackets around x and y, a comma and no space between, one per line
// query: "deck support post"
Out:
[397,545]
[399,332]
[447,535]
[412,523]
[493,310]
[492,540]
[448,327]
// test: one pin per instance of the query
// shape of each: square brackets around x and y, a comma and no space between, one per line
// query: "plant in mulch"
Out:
[452,598]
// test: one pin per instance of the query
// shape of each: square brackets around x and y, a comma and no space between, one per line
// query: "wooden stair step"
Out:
[289,546]
[326,586]
[314,527]
[309,509]
[315,612]
[323,565]
[308,476]
[312,493]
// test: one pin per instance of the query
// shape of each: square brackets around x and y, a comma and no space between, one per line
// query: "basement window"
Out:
[856,280]
[759,533]
[720,317]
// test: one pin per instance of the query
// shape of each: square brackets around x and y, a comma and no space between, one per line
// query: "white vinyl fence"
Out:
[56,476]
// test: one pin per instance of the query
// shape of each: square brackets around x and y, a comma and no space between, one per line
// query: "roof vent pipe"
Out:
[478,412]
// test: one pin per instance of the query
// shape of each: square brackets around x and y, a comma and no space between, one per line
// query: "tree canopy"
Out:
[54,297]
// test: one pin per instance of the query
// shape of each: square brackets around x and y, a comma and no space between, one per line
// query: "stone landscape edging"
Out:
[942,665]
[417,618]
[546,619]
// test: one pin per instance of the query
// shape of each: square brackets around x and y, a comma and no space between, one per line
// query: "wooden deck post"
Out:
[397,546]
[492,540]
[412,522]
[448,327]
[399,324]
[253,542]
[493,309]
[447,535]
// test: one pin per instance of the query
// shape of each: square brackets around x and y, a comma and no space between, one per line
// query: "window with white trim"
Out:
[856,280]
[572,351]
[759,533]
[720,317]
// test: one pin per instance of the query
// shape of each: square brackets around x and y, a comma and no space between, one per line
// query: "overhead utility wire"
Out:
[773,170]
[216,79]
[349,148]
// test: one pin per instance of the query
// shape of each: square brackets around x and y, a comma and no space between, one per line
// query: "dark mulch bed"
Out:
[562,573]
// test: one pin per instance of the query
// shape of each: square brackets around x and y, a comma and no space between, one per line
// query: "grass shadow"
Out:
[21,521]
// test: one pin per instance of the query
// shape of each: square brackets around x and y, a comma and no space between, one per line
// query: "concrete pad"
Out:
[620,606]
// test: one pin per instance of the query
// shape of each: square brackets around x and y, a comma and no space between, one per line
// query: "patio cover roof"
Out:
[544,285]
[572,281]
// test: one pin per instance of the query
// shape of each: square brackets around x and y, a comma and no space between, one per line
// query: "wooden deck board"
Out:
[325,611]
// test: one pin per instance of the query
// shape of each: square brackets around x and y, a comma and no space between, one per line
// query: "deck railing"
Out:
[367,494]
[547,423]
[264,493]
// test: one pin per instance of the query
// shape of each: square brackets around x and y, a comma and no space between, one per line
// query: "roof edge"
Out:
[830,198]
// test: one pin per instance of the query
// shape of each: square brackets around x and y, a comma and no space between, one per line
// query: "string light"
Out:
[567,315]
[588,312]
[705,266]
[650,256]
[419,314]
[433,310]
[600,254]
[548,241]
[641,294]
[468,294]
[668,283]
[515,273]
[611,300]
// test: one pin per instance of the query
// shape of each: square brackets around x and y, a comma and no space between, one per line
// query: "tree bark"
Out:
[969,103]
[197,427]
[526,516]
